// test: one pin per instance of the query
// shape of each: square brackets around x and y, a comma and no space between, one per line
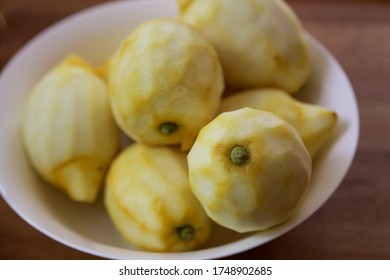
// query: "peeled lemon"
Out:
[103,70]
[165,83]
[68,131]
[148,198]
[249,169]
[259,42]
[314,123]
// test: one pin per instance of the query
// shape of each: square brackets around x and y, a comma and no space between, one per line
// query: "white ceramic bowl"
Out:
[94,34]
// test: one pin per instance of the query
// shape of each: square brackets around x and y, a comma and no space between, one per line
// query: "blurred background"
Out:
[355,221]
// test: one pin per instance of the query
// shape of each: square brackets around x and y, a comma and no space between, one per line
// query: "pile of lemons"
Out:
[207,100]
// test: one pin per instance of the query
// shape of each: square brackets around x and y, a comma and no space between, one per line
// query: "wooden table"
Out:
[355,221]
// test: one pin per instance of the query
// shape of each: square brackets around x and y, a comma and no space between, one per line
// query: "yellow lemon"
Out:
[259,42]
[149,201]
[313,123]
[249,169]
[103,70]
[165,83]
[68,131]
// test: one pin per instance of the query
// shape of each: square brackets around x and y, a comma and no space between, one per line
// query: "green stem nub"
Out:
[186,233]
[239,155]
[168,128]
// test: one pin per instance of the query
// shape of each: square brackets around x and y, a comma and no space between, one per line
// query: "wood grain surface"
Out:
[355,222]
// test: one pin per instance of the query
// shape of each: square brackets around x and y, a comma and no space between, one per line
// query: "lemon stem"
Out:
[186,233]
[168,128]
[239,155]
